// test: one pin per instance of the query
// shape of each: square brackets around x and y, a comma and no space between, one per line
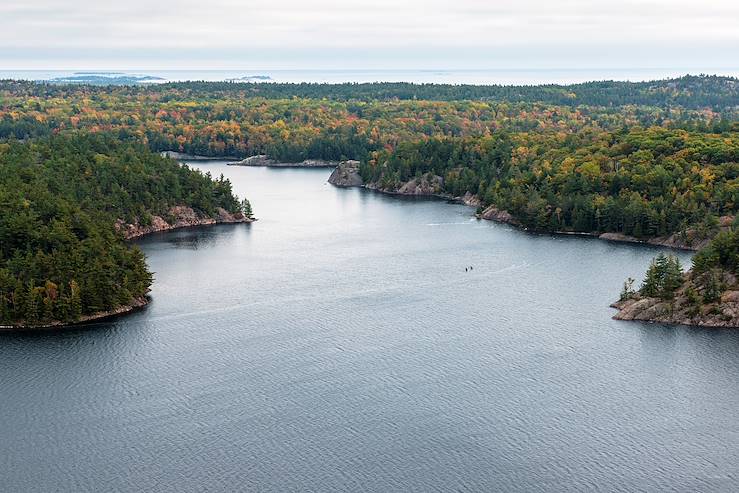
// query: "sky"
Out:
[361,34]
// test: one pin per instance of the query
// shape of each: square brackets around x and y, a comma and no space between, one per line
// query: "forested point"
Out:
[708,294]
[640,182]
[61,257]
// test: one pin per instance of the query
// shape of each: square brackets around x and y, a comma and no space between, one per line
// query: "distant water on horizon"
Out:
[440,76]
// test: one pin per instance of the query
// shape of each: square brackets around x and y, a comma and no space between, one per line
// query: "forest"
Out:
[690,91]
[60,255]
[293,122]
[640,182]
[645,159]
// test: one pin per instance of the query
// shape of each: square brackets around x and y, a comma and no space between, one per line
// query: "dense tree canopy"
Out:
[641,182]
[293,122]
[60,255]
[645,159]
[689,91]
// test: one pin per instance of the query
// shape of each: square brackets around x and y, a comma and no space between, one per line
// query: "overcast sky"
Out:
[281,34]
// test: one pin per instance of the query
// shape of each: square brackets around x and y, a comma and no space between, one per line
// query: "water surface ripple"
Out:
[339,345]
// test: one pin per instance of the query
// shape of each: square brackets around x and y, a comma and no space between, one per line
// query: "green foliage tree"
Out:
[60,254]
[246,208]
[712,288]
[663,278]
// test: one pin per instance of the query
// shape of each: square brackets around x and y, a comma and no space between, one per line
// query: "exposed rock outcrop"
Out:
[346,174]
[687,307]
[178,217]
[428,184]
[181,156]
[259,160]
[724,313]
[492,213]
[264,160]
[470,200]
[315,163]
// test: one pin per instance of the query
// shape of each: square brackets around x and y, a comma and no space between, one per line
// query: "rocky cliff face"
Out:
[346,174]
[428,184]
[178,217]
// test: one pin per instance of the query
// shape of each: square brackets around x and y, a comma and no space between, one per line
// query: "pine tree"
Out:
[664,277]
[650,285]
[672,278]
[712,289]
[246,208]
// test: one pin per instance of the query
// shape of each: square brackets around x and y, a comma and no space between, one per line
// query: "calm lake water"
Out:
[339,344]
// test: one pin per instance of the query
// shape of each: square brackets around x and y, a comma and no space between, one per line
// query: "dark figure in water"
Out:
[470,267]
[465,269]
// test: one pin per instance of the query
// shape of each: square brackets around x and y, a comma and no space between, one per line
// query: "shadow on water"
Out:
[195,238]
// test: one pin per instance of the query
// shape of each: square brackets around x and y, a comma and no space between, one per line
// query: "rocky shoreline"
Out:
[136,304]
[346,174]
[723,313]
[265,161]
[676,241]
[181,156]
[179,217]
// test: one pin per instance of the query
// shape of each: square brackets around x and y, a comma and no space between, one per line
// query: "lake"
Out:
[339,344]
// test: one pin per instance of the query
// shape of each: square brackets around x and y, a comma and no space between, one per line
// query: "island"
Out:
[251,78]
[105,78]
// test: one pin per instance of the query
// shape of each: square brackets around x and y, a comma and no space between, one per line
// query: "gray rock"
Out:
[346,174]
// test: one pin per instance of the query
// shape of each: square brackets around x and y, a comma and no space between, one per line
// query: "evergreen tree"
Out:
[663,278]
[712,289]
[246,208]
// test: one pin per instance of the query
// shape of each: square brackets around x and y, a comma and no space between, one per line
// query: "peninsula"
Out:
[707,295]
[69,205]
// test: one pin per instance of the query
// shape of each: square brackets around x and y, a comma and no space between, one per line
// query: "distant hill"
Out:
[690,91]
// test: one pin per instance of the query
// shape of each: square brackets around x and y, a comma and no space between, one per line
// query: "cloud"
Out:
[316,32]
